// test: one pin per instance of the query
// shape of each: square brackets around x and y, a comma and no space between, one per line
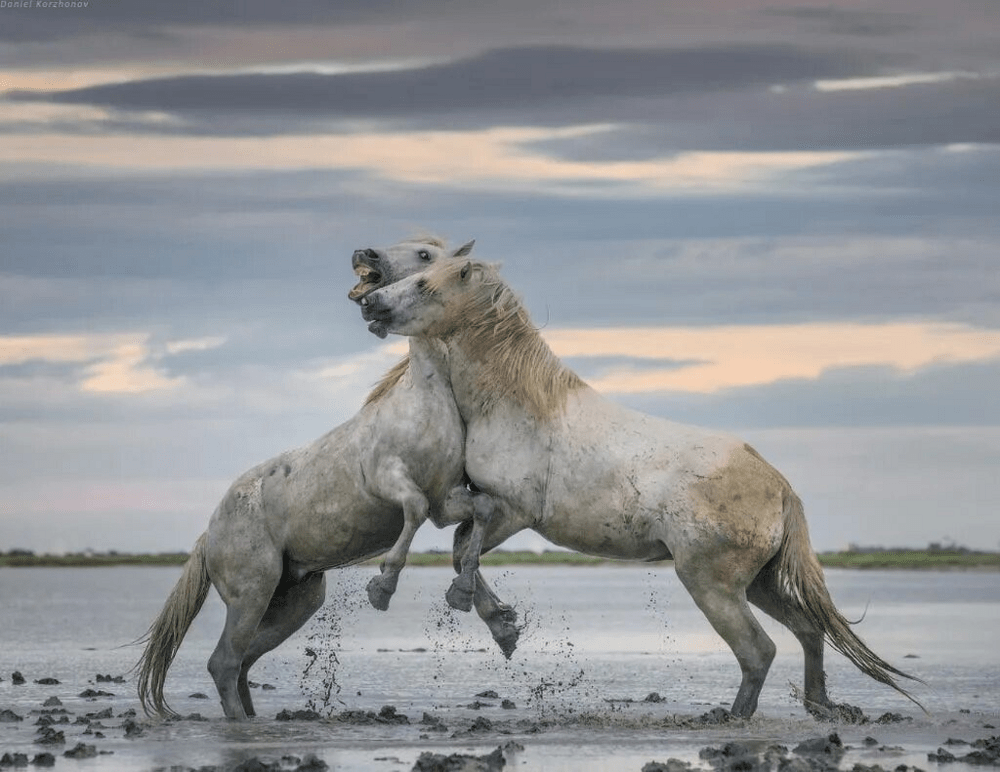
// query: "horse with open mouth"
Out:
[598,478]
[359,490]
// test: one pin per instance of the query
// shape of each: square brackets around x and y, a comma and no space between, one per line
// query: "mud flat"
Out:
[59,723]
[616,670]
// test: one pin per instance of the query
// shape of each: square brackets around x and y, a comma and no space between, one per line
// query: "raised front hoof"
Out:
[378,595]
[458,597]
[506,631]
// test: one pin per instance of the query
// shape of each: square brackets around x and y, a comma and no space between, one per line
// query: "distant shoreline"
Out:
[922,559]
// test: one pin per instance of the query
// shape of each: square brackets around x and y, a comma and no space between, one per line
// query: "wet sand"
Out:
[420,687]
[91,724]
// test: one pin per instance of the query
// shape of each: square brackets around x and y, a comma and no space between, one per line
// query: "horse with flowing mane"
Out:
[359,490]
[593,476]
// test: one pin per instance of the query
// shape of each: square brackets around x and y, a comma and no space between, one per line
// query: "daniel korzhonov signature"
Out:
[25,5]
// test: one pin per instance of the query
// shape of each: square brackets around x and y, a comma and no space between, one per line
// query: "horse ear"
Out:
[465,270]
[464,250]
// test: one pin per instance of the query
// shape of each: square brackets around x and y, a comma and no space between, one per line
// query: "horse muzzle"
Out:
[377,313]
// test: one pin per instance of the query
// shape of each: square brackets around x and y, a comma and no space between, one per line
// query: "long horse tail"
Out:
[164,636]
[800,579]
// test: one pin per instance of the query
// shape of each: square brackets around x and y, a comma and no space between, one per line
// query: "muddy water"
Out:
[597,643]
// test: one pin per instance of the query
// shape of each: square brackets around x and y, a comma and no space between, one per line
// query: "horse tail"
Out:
[800,578]
[164,636]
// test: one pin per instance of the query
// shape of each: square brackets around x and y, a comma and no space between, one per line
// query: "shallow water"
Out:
[598,640]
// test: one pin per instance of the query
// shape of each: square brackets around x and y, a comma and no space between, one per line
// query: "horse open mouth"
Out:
[370,277]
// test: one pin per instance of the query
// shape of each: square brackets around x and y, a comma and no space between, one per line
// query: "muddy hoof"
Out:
[507,641]
[506,631]
[378,595]
[459,598]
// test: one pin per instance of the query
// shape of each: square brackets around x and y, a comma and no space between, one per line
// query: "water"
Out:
[598,640]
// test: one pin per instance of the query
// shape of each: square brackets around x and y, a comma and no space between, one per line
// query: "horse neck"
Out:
[484,375]
[427,356]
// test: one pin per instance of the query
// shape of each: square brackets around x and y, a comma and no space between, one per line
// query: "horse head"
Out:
[380,267]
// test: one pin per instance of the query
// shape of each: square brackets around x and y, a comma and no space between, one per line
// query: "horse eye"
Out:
[423,254]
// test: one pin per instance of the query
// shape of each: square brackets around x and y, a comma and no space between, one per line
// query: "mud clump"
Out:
[670,765]
[298,715]
[831,746]
[984,753]
[715,716]
[460,762]
[50,736]
[840,713]
[387,715]
[309,763]
[93,694]
[21,760]
[892,718]
[81,751]
[819,754]
[433,723]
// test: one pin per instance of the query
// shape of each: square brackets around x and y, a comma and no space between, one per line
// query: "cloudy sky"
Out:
[774,217]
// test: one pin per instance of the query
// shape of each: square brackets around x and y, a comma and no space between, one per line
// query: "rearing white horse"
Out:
[359,490]
[598,478]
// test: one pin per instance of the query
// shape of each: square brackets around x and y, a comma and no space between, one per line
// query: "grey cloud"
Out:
[938,395]
[150,18]
[797,119]
[498,82]
[217,254]
[848,21]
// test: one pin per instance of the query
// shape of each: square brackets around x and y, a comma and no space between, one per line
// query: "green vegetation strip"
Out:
[881,559]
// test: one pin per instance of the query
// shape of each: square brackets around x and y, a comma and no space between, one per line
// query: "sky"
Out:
[777,218]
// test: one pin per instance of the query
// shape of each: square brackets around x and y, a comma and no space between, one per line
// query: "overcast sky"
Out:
[773,217]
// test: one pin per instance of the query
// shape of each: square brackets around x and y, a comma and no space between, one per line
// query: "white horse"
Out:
[359,490]
[598,478]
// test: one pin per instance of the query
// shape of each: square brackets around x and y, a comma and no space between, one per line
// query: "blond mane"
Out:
[497,332]
[389,380]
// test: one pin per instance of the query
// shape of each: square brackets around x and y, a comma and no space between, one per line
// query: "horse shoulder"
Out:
[416,428]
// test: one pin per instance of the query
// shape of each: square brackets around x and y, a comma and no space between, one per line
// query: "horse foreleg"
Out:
[393,482]
[463,587]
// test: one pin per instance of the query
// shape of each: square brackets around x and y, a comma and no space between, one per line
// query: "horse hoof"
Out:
[505,630]
[507,641]
[378,596]
[459,598]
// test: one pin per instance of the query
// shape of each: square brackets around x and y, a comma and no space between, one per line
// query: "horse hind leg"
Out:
[721,597]
[500,617]
[461,594]
[246,580]
[291,606]
[764,593]
[243,615]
